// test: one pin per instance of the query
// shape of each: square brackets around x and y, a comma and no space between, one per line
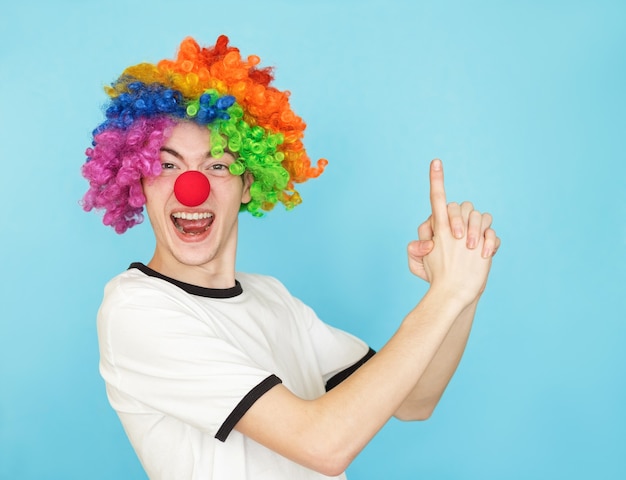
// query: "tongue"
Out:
[194,226]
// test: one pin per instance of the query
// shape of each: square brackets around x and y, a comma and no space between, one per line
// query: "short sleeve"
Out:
[336,351]
[156,351]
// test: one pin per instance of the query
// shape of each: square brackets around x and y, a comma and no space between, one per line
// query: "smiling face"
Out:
[197,244]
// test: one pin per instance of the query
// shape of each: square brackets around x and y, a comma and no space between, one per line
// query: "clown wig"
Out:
[213,87]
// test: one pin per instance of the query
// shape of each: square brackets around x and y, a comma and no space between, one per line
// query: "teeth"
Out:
[192,216]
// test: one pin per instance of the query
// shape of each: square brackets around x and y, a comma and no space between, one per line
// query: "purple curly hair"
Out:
[122,158]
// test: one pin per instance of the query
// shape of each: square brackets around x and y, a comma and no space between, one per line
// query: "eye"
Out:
[167,166]
[218,169]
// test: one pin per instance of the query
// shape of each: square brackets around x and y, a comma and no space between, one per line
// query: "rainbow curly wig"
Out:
[213,87]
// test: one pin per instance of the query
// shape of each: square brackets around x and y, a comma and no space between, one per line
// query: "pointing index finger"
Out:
[438,195]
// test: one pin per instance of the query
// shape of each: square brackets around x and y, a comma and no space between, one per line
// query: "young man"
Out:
[217,374]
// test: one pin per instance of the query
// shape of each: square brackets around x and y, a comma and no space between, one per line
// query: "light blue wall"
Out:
[523,101]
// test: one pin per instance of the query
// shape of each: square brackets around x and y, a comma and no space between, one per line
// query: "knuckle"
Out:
[467,206]
[424,229]
[475,215]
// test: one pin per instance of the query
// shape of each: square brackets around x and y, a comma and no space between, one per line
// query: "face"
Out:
[195,244]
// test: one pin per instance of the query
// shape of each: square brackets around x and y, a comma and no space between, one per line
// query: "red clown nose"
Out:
[192,188]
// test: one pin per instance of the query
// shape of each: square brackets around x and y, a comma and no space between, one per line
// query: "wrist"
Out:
[451,299]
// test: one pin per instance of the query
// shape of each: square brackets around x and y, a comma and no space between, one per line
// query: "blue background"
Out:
[523,101]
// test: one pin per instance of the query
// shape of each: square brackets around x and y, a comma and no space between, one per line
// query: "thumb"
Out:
[420,248]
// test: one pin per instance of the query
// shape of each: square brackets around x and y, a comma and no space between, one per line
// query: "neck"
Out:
[219,273]
[195,275]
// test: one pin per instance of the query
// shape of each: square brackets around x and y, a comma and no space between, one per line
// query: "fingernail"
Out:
[486,252]
[458,233]
[471,242]
[436,164]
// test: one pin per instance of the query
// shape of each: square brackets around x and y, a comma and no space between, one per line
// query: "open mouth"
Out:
[192,223]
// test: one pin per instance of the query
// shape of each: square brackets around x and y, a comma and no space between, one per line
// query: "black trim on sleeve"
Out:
[190,288]
[244,405]
[341,376]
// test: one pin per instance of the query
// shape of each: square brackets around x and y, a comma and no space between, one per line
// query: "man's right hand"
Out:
[458,264]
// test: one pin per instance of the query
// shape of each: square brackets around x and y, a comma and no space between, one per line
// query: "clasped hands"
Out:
[455,244]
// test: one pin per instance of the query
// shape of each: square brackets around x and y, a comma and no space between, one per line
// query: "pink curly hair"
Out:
[122,158]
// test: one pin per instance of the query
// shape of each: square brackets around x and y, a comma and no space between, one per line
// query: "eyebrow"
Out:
[174,153]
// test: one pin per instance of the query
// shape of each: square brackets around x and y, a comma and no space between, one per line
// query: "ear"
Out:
[247,181]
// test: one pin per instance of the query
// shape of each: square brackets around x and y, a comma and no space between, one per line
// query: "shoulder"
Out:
[133,298]
[136,287]
[120,288]
[258,282]
[266,289]
[138,309]
[271,294]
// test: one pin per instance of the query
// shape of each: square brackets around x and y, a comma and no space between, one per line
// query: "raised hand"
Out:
[453,221]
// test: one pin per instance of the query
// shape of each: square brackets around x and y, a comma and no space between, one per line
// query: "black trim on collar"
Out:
[341,376]
[244,405]
[190,288]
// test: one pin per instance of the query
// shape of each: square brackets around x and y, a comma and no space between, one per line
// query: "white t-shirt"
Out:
[182,364]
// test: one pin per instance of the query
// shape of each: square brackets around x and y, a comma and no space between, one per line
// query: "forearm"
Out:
[391,375]
[422,400]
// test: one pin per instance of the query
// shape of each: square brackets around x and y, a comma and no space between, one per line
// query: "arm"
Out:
[421,402]
[326,434]
[466,223]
